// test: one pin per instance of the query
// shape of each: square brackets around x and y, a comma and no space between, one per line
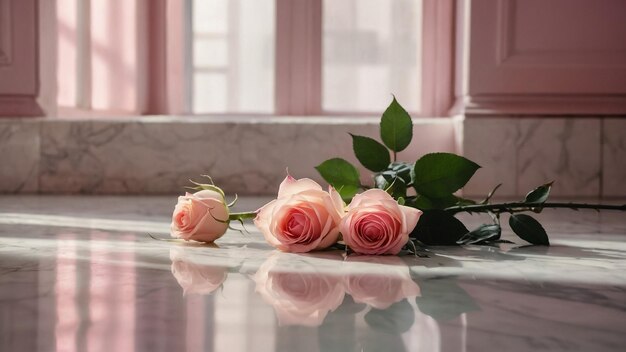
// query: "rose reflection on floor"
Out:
[377,298]
[302,297]
[380,290]
[193,277]
[303,289]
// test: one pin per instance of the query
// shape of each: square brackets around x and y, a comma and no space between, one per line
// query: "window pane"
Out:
[233,56]
[372,49]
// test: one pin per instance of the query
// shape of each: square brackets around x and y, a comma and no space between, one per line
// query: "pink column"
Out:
[19,81]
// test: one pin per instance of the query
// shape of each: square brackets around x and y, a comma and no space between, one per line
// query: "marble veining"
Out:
[158,154]
[19,156]
[613,157]
[492,144]
[525,152]
[81,273]
[564,150]
[152,157]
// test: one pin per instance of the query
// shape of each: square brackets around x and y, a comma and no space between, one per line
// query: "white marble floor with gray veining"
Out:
[81,274]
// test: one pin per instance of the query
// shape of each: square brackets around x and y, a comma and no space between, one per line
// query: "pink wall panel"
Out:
[18,47]
[18,58]
[547,53]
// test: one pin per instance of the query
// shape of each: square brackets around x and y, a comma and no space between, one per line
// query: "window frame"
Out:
[165,66]
[298,60]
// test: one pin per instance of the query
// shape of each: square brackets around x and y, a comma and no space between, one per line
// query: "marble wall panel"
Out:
[19,155]
[491,142]
[614,158]
[160,156]
[532,151]
[564,150]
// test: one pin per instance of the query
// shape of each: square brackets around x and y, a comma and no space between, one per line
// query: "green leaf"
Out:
[380,182]
[396,127]
[402,170]
[529,229]
[395,185]
[397,188]
[425,203]
[422,203]
[395,319]
[373,155]
[342,175]
[464,201]
[437,227]
[482,234]
[395,170]
[441,174]
[539,194]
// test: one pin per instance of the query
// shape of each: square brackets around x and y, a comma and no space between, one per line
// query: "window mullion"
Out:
[298,57]
[83,59]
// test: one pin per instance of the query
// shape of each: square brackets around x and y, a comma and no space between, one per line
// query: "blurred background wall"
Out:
[139,96]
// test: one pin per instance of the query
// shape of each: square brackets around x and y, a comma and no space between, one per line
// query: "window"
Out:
[232,56]
[370,49]
[336,57]
[268,57]
[102,56]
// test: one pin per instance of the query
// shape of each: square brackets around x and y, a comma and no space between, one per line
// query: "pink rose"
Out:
[303,217]
[202,216]
[300,295]
[377,224]
[381,285]
[196,278]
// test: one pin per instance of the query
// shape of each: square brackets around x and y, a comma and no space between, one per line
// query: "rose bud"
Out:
[376,224]
[201,216]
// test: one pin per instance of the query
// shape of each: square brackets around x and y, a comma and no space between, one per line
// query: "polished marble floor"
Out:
[82,274]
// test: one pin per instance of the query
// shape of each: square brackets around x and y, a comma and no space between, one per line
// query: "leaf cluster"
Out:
[429,184]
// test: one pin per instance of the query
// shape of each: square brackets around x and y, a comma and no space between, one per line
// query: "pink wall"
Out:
[512,56]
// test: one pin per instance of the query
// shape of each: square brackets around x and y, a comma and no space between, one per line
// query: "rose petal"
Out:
[291,186]
[412,216]
[262,223]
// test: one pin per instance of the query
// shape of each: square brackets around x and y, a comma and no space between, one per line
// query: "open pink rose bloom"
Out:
[303,218]
[377,224]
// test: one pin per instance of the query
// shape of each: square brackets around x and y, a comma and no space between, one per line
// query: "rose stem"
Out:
[242,215]
[523,206]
